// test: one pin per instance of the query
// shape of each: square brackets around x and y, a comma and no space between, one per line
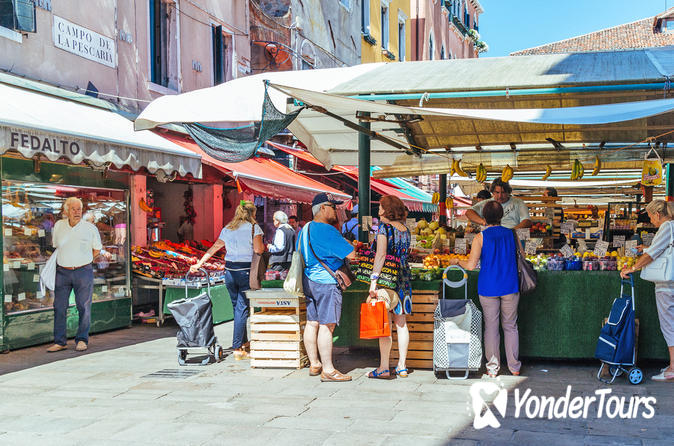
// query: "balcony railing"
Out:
[460,26]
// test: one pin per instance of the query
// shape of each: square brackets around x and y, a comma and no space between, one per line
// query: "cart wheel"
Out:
[635,376]
[182,356]
[219,353]
[612,370]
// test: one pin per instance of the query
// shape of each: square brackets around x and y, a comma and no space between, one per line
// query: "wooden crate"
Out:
[420,325]
[276,323]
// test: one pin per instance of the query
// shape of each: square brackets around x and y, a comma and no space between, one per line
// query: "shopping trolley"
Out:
[194,316]
[616,346]
[457,331]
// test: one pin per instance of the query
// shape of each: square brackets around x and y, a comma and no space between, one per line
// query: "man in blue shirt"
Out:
[319,238]
[350,227]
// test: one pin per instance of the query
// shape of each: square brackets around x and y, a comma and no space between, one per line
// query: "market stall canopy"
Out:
[263,176]
[32,123]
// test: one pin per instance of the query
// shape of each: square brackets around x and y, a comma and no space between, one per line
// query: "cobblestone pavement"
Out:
[106,396]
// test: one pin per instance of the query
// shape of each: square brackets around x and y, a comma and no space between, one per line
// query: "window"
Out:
[365,17]
[346,4]
[442,52]
[222,55]
[401,40]
[18,15]
[384,27]
[668,26]
[163,44]
[431,48]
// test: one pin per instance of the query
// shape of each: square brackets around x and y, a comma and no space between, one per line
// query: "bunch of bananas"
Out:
[597,166]
[548,171]
[481,174]
[144,207]
[577,170]
[456,168]
[436,198]
[449,203]
[507,173]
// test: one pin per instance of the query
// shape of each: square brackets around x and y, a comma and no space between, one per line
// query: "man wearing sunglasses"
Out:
[320,243]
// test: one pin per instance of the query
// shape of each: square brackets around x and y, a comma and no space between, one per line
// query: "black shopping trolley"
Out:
[616,346]
[194,316]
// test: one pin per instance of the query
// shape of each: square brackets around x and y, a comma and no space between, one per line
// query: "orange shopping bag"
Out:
[374,321]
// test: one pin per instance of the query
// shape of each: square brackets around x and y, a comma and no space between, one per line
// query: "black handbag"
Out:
[528,276]
[343,275]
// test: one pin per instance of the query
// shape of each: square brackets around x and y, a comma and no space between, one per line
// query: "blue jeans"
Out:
[237,283]
[81,281]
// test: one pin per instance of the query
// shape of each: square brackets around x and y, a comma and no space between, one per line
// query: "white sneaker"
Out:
[663,376]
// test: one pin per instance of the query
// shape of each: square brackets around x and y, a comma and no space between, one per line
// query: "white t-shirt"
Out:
[514,211]
[75,244]
[239,242]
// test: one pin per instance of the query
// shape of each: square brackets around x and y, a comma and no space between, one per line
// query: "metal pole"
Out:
[363,179]
[670,182]
[443,197]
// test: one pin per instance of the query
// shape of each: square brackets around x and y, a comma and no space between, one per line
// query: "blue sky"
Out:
[512,25]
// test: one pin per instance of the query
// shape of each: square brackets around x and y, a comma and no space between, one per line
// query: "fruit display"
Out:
[426,233]
[587,261]
[168,260]
[540,229]
[441,260]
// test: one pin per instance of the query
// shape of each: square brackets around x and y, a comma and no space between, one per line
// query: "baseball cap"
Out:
[324,198]
[354,210]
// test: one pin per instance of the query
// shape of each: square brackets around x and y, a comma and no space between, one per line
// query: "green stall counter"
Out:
[561,319]
[222,304]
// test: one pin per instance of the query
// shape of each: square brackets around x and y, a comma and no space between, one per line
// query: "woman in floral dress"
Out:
[393,238]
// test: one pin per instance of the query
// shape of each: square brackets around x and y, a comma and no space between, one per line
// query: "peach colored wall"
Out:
[138,185]
[36,57]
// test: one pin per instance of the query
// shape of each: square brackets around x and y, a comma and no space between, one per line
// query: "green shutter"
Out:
[24,14]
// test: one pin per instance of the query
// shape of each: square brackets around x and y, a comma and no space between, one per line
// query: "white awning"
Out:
[32,123]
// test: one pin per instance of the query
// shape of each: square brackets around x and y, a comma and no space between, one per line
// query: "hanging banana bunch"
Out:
[597,166]
[436,198]
[507,173]
[481,174]
[456,167]
[548,171]
[577,170]
[449,203]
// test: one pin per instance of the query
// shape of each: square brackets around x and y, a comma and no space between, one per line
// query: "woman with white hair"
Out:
[282,248]
[661,214]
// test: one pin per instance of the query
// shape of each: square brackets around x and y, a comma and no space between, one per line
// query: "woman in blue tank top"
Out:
[498,288]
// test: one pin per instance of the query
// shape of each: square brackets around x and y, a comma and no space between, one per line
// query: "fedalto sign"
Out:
[84,42]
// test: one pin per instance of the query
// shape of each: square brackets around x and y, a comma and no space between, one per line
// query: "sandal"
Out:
[401,372]
[380,375]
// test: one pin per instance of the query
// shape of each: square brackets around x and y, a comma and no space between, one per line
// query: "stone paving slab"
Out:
[105,397]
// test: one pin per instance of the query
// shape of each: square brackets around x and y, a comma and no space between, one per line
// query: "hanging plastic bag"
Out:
[651,174]
[374,321]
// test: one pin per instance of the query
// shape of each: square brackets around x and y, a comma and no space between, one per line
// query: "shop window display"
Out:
[29,212]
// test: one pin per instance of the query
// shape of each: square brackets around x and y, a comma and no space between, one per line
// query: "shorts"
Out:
[324,301]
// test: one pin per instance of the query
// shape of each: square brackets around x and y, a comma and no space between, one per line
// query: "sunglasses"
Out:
[332,205]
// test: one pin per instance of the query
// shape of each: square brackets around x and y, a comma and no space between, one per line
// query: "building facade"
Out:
[127,52]
[385,29]
[445,29]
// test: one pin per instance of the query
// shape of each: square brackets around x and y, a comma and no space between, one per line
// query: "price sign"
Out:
[40,233]
[21,296]
[8,298]
[414,239]
[39,294]
[36,278]
[16,264]
[8,232]
[524,233]
[582,246]
[113,257]
[600,248]
[460,246]
[410,222]
[618,241]
[28,232]
[550,213]
[566,251]
[30,266]
[567,227]
[530,247]
[648,239]
[367,223]
[5,267]
[629,246]
[588,233]
[104,289]
[469,237]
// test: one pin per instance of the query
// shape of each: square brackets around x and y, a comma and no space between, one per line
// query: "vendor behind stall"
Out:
[515,211]
[284,243]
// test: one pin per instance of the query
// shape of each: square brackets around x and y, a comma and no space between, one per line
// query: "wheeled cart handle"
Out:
[208,281]
[461,283]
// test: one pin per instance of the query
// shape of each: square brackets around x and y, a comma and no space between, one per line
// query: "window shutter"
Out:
[24,13]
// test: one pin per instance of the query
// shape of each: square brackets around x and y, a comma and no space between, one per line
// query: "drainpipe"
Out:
[417,30]
[363,180]
[443,196]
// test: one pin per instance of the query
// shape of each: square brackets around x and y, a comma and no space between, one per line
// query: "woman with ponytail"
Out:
[241,237]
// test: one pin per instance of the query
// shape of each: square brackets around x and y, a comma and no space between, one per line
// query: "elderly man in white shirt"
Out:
[515,211]
[78,243]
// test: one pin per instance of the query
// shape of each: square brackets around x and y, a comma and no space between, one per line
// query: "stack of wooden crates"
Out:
[420,325]
[277,320]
